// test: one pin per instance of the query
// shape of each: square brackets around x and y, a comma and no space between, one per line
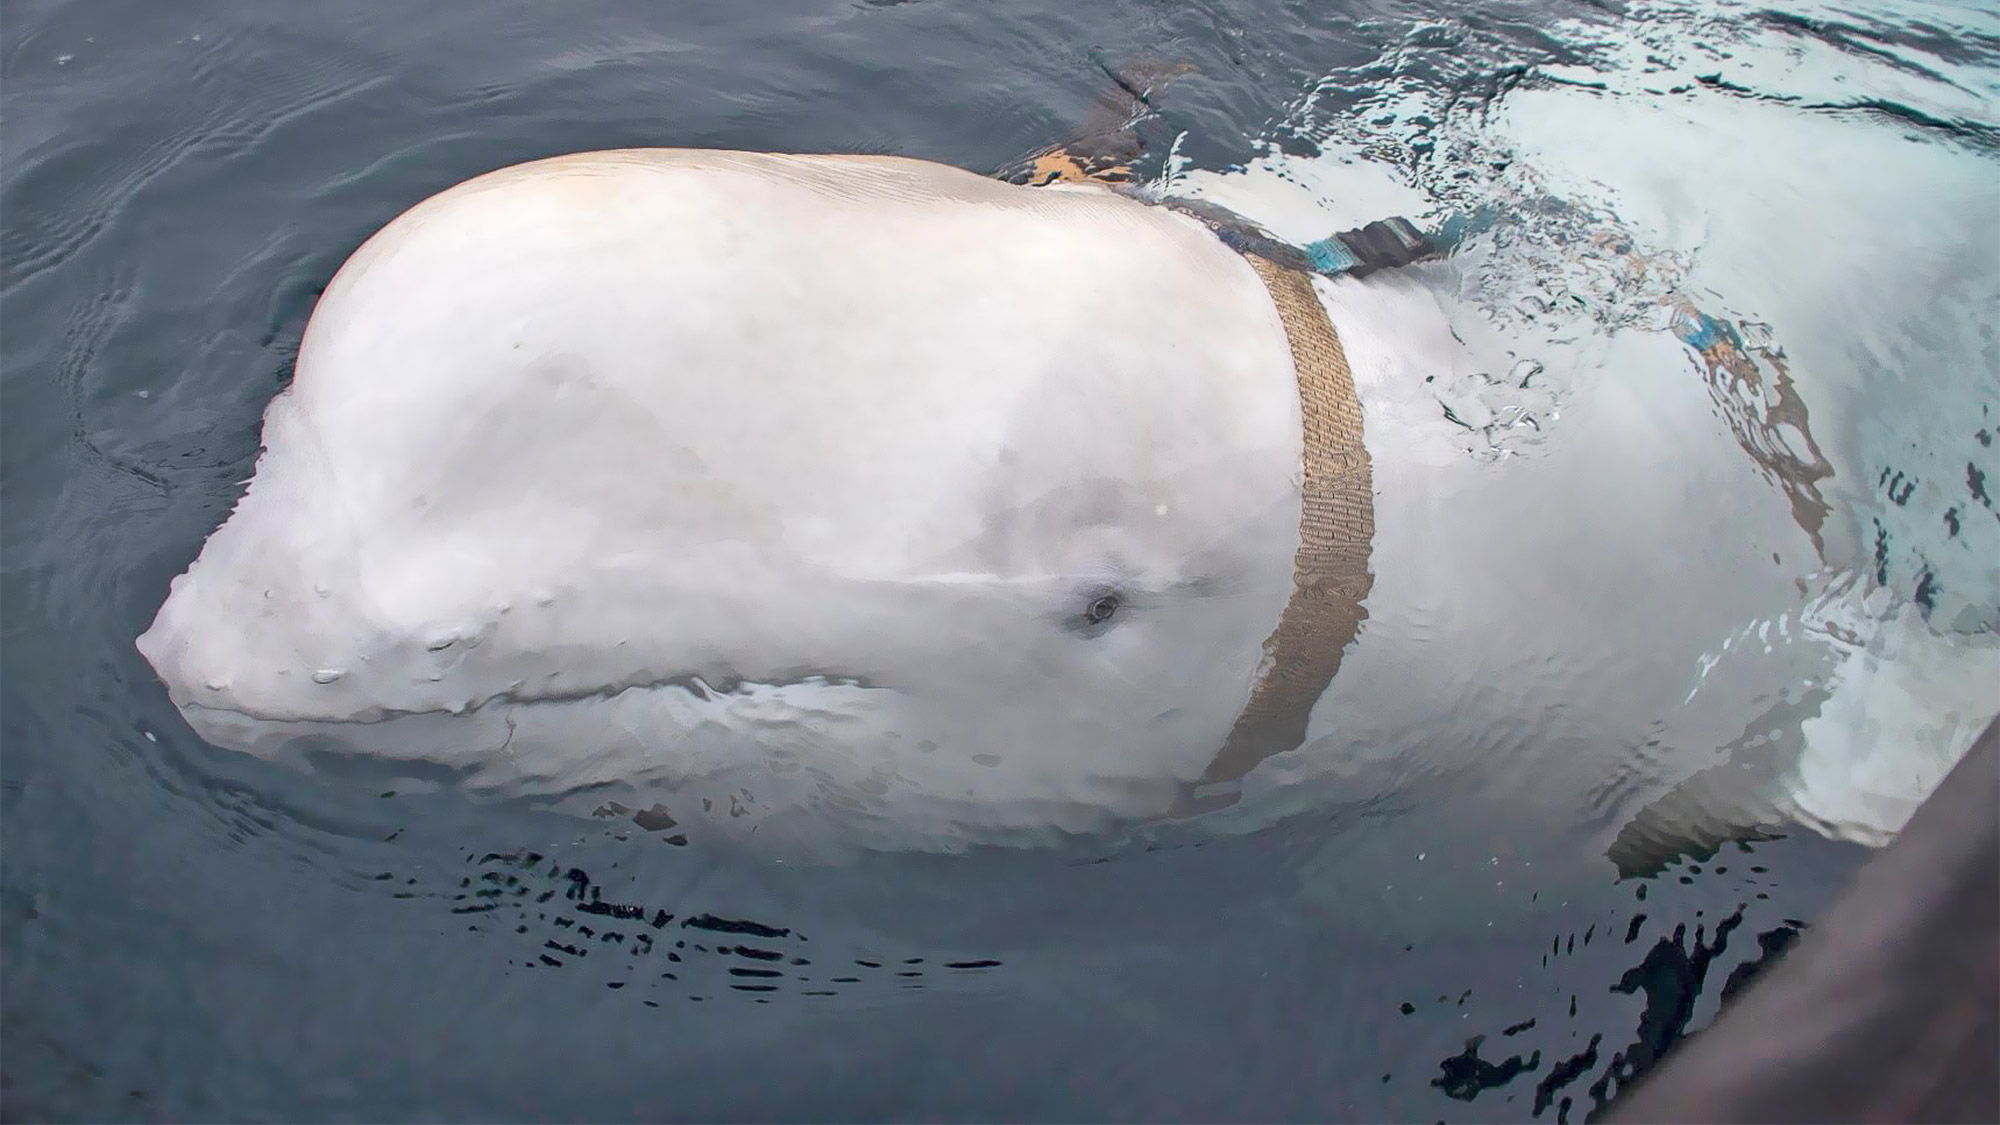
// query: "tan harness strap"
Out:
[1330,577]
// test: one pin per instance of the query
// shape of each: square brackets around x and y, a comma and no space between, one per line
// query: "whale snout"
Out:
[195,658]
[231,639]
[270,623]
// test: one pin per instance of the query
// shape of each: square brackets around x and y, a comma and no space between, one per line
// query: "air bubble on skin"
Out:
[328,675]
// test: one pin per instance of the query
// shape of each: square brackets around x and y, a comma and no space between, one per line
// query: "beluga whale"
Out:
[811,498]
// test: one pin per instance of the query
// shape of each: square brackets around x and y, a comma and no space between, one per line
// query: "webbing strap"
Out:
[1330,577]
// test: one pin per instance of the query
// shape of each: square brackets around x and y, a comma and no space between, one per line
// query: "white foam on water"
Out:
[1851,252]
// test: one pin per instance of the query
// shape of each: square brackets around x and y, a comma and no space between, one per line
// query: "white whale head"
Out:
[809,488]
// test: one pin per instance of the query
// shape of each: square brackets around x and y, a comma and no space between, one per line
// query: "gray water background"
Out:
[191,935]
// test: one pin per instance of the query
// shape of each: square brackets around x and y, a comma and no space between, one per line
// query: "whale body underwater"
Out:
[813,497]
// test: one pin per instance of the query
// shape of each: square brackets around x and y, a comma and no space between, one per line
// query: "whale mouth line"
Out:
[696,685]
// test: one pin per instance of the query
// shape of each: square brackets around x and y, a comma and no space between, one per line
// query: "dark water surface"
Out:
[193,935]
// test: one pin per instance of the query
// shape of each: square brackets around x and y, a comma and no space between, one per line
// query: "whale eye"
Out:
[1097,609]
